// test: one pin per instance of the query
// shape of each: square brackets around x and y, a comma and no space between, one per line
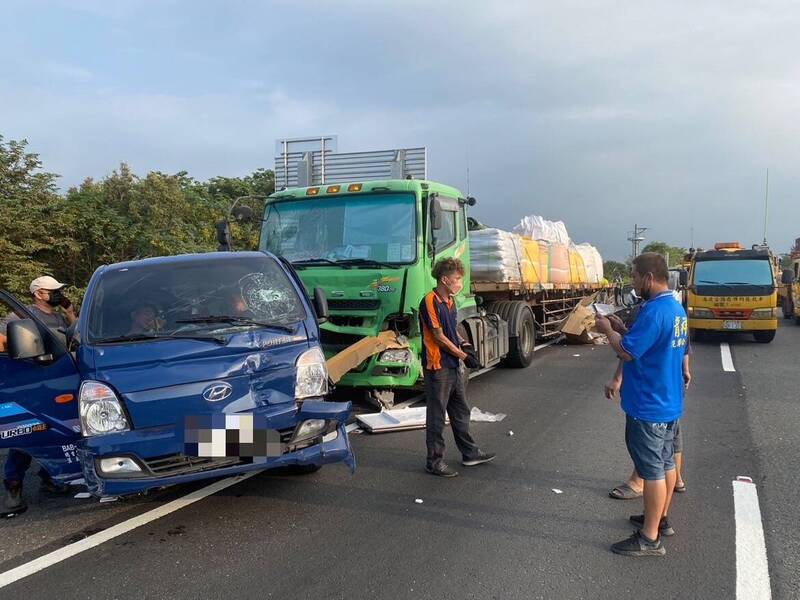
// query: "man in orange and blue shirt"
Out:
[442,351]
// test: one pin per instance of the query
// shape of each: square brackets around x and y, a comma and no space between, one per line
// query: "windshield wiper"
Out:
[318,261]
[138,337]
[706,281]
[237,320]
[366,262]
[747,283]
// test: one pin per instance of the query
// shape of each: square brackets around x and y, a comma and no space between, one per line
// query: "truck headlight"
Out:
[402,355]
[100,409]
[311,380]
[700,313]
[764,313]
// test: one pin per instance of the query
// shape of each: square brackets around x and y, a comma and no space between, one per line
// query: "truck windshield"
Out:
[203,298]
[733,272]
[362,229]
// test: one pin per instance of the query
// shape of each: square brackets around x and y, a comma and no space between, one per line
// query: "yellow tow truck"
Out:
[791,281]
[733,289]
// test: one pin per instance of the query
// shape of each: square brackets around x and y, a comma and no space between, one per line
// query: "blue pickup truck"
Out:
[178,369]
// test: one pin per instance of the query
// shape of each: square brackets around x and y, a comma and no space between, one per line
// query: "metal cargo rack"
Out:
[301,162]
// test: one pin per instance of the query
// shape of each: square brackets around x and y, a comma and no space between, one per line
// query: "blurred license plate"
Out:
[731,324]
[240,435]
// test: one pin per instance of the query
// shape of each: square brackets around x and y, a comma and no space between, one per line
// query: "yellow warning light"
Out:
[333,189]
[312,191]
[354,187]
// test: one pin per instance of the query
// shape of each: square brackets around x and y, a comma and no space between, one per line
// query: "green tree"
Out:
[29,217]
[613,270]
[674,253]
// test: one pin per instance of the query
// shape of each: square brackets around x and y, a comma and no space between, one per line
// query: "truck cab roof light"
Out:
[354,187]
[333,189]
[312,191]
[727,246]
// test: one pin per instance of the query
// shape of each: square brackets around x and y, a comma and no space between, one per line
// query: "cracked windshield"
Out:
[376,228]
[204,299]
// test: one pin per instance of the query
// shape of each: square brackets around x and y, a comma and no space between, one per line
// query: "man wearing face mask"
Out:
[652,392]
[443,349]
[53,309]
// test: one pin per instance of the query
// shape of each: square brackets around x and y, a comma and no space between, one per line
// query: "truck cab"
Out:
[178,368]
[371,246]
[732,289]
[790,278]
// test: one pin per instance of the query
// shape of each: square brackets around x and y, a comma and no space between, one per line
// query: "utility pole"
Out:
[635,239]
[766,208]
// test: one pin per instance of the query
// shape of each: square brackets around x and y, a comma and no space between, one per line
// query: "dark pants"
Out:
[17,463]
[444,392]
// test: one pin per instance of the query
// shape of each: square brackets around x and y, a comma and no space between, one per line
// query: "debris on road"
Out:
[395,420]
[510,433]
[418,500]
[557,491]
[480,416]
[82,495]
[109,499]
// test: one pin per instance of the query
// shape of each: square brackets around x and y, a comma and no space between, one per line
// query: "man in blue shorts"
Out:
[652,396]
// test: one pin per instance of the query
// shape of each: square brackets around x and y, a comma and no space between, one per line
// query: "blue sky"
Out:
[598,113]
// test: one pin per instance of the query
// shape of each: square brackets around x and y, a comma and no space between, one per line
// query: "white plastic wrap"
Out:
[592,261]
[495,255]
[535,227]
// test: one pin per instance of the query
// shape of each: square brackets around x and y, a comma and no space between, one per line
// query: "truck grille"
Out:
[180,464]
[372,304]
[732,314]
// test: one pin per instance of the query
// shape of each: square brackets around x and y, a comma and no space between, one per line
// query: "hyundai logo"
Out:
[217,392]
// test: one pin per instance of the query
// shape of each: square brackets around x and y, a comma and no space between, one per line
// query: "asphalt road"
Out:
[497,531]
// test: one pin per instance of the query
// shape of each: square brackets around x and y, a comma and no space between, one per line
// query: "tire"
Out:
[521,345]
[764,337]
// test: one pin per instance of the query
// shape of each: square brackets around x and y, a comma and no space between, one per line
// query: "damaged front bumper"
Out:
[156,457]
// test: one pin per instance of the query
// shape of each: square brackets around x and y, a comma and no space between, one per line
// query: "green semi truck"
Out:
[370,246]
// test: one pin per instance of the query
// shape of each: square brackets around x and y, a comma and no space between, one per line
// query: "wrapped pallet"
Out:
[495,255]
[535,227]
[577,270]
[531,266]
[544,260]
[559,263]
[592,261]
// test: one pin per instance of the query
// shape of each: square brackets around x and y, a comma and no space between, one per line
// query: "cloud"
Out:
[602,114]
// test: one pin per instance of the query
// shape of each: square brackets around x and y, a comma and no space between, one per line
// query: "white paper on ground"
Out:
[479,415]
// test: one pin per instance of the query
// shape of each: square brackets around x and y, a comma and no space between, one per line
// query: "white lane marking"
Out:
[727,359]
[38,564]
[752,571]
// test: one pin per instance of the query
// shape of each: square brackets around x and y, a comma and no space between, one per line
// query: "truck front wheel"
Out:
[521,346]
[764,337]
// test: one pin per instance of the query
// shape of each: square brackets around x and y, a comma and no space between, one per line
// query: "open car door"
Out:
[38,395]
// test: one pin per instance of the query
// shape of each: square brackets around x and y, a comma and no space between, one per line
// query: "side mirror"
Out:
[436,214]
[242,213]
[683,278]
[471,201]
[321,305]
[787,277]
[223,236]
[25,340]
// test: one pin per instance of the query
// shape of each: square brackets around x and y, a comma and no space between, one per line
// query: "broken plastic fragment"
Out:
[557,491]
[82,495]
[510,433]
[109,498]
[418,500]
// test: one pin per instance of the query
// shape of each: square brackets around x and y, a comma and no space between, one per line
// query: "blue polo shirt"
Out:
[652,383]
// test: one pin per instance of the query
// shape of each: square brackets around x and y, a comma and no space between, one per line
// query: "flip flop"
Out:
[680,489]
[624,492]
